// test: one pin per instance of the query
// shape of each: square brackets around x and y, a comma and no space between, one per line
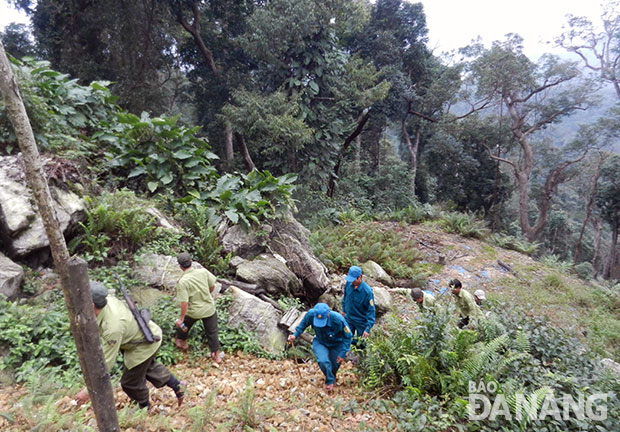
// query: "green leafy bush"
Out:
[464,224]
[62,112]
[116,223]
[156,154]
[513,243]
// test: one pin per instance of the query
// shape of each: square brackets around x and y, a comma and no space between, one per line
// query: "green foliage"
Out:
[429,357]
[62,112]
[248,412]
[556,263]
[387,244]
[246,198]
[513,243]
[37,339]
[117,224]
[156,154]
[205,245]
[464,224]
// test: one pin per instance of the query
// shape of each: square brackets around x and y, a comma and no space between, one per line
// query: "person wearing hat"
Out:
[479,297]
[425,300]
[193,292]
[119,331]
[465,303]
[358,303]
[331,342]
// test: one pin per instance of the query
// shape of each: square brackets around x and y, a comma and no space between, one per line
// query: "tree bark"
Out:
[73,275]
[413,153]
[249,163]
[361,122]
[589,204]
[228,144]
[610,267]
[598,230]
[194,30]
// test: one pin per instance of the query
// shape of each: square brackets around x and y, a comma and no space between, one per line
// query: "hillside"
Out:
[250,393]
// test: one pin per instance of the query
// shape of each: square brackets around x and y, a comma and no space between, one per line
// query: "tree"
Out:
[534,96]
[599,51]
[608,200]
[128,43]
[17,42]
[72,271]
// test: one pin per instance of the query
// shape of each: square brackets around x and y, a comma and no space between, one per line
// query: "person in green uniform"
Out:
[119,331]
[424,300]
[468,309]
[193,292]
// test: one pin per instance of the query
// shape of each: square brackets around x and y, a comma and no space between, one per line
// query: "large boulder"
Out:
[236,241]
[374,271]
[290,240]
[383,300]
[611,366]
[21,227]
[159,271]
[11,276]
[270,274]
[256,316]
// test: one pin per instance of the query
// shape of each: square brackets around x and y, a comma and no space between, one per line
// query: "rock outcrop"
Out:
[270,274]
[21,227]
[11,276]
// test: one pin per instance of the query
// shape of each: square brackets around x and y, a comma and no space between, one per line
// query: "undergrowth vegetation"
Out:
[430,364]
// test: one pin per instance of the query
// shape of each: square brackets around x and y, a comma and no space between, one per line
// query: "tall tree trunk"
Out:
[194,30]
[413,153]
[598,230]
[228,145]
[589,204]
[361,122]
[358,154]
[249,163]
[73,275]
[610,267]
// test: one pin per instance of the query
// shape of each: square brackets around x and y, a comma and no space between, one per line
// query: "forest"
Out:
[336,112]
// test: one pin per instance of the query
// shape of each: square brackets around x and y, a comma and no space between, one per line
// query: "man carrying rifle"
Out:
[119,331]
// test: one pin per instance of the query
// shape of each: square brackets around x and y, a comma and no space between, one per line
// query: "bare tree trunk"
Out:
[413,153]
[358,154]
[589,204]
[194,30]
[73,275]
[610,269]
[249,163]
[598,230]
[228,144]
[331,184]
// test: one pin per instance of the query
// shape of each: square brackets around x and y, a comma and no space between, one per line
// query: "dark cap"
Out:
[98,292]
[184,259]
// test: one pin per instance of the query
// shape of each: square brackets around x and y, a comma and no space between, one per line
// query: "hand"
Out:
[291,338]
[365,334]
[179,322]
[82,397]
[339,359]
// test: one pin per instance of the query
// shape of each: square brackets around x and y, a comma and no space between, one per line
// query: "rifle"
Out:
[142,316]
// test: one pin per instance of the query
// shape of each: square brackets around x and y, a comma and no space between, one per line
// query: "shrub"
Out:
[464,224]
[513,243]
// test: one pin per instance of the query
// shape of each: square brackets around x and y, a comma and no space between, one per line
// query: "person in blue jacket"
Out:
[358,303]
[332,340]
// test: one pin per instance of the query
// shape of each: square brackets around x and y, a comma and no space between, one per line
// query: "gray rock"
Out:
[270,274]
[383,300]
[373,270]
[159,271]
[257,316]
[611,365]
[161,220]
[246,245]
[303,263]
[11,276]
[20,223]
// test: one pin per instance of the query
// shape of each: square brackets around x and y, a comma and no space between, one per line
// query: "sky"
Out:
[454,23]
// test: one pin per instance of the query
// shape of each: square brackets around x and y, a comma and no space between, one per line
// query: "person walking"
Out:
[424,300]
[193,292]
[358,303]
[119,332]
[331,342]
[467,307]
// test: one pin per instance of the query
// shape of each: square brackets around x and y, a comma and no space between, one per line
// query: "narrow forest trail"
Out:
[219,398]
